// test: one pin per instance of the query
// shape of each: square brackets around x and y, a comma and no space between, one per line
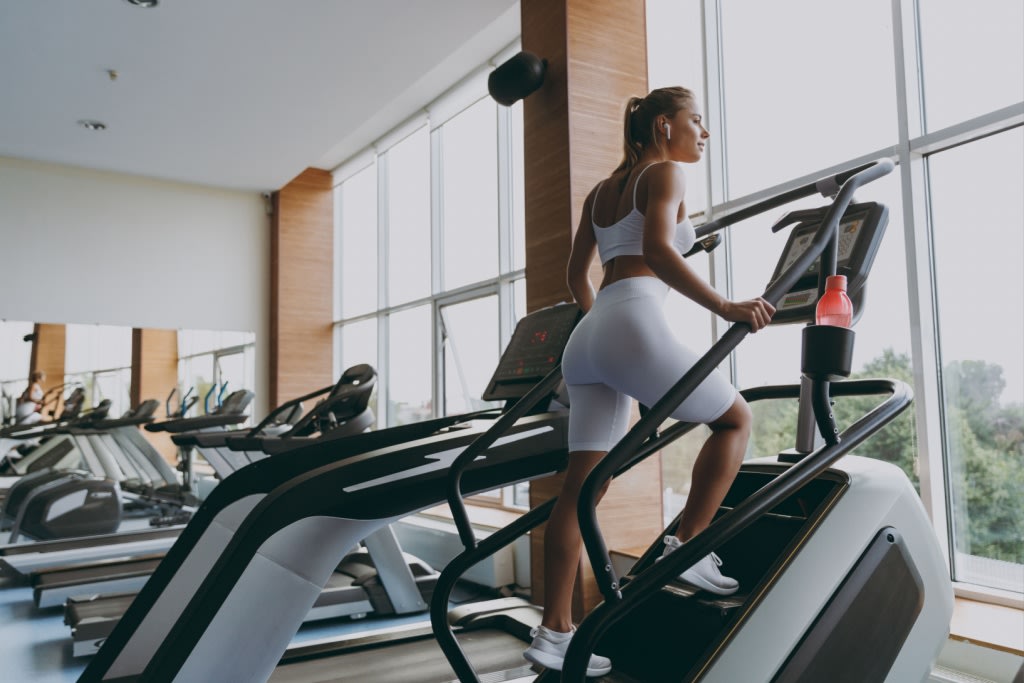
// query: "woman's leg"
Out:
[715,469]
[563,543]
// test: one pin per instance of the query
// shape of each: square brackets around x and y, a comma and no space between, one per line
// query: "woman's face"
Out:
[688,134]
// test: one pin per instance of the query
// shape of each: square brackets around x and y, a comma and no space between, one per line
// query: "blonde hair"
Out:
[640,118]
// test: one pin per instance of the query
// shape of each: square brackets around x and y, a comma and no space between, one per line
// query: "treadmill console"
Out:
[860,232]
[535,349]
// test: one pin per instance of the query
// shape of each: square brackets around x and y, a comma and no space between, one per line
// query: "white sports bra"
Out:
[625,237]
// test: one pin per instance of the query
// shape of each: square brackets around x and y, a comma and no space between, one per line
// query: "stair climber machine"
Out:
[841,576]
[362,583]
[270,536]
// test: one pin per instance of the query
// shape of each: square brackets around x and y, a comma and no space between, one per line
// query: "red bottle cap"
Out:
[835,282]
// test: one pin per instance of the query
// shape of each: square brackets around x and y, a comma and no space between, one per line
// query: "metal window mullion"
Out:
[383,348]
[714,103]
[227,350]
[506,246]
[383,326]
[436,212]
[436,265]
[719,260]
[924,338]
[337,290]
[464,294]
[437,342]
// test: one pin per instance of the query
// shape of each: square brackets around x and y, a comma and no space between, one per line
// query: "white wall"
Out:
[83,246]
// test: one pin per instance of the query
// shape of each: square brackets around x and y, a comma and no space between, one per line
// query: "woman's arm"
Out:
[584,247]
[666,191]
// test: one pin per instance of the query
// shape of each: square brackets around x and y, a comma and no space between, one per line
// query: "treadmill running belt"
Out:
[415,661]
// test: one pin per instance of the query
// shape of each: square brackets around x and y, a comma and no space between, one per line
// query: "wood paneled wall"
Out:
[597,60]
[301,280]
[154,374]
[48,350]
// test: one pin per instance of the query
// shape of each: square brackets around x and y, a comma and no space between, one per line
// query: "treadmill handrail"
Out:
[647,583]
[322,492]
[456,502]
[597,550]
[287,405]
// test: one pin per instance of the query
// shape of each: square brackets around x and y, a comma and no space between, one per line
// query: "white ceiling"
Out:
[240,94]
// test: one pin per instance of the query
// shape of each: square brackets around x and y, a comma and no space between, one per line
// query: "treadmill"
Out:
[377,578]
[228,413]
[22,562]
[266,524]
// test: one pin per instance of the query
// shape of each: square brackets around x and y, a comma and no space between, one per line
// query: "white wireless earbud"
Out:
[668,132]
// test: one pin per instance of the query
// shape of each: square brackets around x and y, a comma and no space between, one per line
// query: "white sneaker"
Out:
[705,574]
[549,647]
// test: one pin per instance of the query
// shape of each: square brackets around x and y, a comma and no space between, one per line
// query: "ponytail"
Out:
[639,121]
[631,146]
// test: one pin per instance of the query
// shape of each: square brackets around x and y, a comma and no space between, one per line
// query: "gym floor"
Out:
[35,644]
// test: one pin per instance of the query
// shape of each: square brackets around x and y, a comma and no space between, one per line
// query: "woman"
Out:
[30,401]
[622,349]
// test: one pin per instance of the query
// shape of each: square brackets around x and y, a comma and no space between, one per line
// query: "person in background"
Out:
[31,400]
[635,221]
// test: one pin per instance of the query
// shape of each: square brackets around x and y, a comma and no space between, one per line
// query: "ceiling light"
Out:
[148,4]
[89,124]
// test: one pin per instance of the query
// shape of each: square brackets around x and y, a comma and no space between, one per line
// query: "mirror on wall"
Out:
[202,364]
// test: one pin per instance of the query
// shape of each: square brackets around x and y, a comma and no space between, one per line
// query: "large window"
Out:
[408,220]
[438,204]
[814,90]
[213,364]
[940,91]
[973,60]
[356,246]
[99,359]
[977,217]
[469,175]
[14,366]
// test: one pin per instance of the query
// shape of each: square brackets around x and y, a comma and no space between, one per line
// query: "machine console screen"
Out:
[535,349]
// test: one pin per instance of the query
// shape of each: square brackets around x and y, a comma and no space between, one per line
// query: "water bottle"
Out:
[834,307]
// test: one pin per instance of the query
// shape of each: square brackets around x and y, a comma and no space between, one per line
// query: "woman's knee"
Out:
[738,417]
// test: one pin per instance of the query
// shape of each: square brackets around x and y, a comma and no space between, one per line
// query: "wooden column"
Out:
[597,59]
[48,351]
[302,286]
[154,374]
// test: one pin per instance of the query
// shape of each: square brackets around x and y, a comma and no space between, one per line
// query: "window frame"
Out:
[911,152]
[457,99]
